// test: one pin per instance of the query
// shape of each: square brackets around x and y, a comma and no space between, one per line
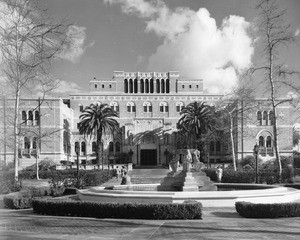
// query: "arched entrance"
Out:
[148,151]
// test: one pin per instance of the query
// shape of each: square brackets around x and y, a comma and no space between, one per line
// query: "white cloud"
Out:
[293,95]
[76,48]
[297,32]
[66,87]
[193,44]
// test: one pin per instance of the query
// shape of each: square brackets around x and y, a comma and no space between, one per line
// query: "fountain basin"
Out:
[146,193]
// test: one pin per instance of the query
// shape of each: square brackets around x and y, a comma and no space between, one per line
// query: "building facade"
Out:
[149,105]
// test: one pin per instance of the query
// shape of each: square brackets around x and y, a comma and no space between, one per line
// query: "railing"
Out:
[266,151]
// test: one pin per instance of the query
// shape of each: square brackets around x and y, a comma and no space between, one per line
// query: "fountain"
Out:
[188,182]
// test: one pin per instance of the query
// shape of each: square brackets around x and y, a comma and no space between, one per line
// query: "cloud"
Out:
[76,48]
[297,32]
[193,43]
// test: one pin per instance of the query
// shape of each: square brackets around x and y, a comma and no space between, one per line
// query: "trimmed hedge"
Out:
[268,210]
[68,207]
[7,182]
[23,199]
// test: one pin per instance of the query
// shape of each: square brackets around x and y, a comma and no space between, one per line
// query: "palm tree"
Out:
[97,120]
[197,119]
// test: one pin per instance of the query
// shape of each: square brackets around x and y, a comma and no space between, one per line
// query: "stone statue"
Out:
[174,162]
[187,161]
[197,163]
[126,180]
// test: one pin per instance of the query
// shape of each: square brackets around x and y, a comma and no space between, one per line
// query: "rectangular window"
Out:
[197,86]
[145,108]
[109,85]
[96,86]
[150,108]
[102,85]
[133,108]
[166,108]
[190,86]
[161,108]
[117,109]
[178,108]
[182,86]
[128,109]
[81,108]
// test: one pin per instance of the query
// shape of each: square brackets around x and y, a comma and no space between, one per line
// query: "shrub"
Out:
[231,176]
[118,210]
[268,210]
[7,183]
[211,173]
[296,156]
[23,199]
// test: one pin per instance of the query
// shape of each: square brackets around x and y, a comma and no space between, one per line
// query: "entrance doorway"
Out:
[148,157]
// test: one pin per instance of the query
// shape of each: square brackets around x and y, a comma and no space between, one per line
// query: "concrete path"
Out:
[217,223]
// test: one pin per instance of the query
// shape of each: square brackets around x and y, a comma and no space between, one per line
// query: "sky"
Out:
[215,40]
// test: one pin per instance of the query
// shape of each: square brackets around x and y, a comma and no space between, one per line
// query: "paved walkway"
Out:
[217,223]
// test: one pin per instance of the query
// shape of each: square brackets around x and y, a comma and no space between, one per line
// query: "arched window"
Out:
[269,142]
[265,118]
[24,116]
[83,148]
[94,146]
[118,147]
[157,86]
[151,86]
[142,85]
[271,117]
[34,143]
[126,86]
[26,143]
[167,86]
[130,86]
[146,86]
[111,147]
[135,86]
[163,107]
[162,85]
[36,118]
[259,117]
[166,139]
[76,146]
[114,106]
[130,107]
[179,106]
[147,107]
[261,141]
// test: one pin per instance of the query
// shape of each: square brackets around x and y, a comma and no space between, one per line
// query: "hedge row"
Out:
[189,210]
[248,176]
[268,210]
[23,199]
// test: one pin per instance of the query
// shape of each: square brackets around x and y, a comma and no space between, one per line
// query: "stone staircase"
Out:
[170,181]
[148,176]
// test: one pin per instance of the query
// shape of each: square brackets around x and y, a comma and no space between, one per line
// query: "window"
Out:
[259,117]
[269,142]
[24,116]
[212,147]
[34,143]
[130,107]
[83,148]
[114,106]
[147,107]
[166,138]
[197,86]
[80,108]
[190,86]
[102,85]
[109,85]
[179,106]
[218,146]
[118,147]
[261,141]
[182,86]
[163,106]
[265,117]
[30,116]
[94,146]
[96,85]
[37,117]
[271,117]
[111,147]
[26,143]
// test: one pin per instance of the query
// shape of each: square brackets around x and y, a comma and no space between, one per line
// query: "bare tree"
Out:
[231,111]
[29,40]
[274,34]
